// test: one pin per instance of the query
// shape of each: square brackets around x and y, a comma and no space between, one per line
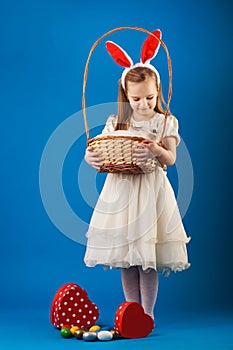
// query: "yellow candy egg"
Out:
[73,329]
[94,328]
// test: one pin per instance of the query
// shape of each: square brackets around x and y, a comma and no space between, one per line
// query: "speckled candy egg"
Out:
[104,335]
[115,333]
[73,329]
[79,334]
[89,336]
[94,328]
[66,333]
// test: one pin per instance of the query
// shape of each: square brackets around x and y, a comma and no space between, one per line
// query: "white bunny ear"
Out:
[150,47]
[119,55]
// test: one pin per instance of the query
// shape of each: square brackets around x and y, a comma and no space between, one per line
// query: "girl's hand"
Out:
[153,147]
[142,152]
[165,154]
[93,158]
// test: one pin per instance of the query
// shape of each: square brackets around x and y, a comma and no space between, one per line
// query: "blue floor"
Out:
[31,330]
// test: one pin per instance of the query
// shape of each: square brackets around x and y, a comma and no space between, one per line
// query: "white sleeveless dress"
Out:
[136,220]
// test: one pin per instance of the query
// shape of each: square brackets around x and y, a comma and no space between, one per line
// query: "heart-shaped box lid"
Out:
[132,322]
[72,306]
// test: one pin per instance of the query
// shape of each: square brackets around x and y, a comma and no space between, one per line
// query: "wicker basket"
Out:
[117,149]
[117,152]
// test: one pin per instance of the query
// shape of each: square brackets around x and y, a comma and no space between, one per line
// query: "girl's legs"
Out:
[148,289]
[130,283]
[138,283]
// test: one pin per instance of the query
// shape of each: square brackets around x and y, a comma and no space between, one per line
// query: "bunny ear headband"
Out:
[149,50]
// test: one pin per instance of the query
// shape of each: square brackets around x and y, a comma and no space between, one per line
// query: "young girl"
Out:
[136,225]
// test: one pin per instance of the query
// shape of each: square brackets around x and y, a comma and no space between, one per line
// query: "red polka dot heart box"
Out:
[72,306]
[132,322]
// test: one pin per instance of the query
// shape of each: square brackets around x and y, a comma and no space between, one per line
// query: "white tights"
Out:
[140,285]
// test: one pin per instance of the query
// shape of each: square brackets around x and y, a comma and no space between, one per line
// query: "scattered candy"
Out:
[94,328]
[89,336]
[73,329]
[105,335]
[95,332]
[79,334]
[66,333]
[115,333]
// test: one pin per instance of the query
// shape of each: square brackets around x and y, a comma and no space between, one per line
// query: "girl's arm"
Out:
[148,148]
[93,158]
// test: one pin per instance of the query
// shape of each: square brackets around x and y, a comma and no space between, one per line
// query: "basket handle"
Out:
[86,73]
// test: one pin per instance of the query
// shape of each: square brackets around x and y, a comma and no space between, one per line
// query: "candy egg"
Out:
[115,333]
[79,334]
[73,329]
[94,328]
[105,335]
[66,333]
[89,336]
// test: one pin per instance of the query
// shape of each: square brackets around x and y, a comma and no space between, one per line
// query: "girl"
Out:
[136,225]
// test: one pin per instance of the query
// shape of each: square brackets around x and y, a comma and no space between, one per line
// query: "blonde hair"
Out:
[135,75]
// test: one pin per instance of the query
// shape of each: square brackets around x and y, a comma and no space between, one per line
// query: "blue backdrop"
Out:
[44,47]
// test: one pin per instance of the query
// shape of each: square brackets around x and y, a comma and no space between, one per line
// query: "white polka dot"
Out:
[63,314]
[69,309]
[67,320]
[61,324]
[71,298]
[94,318]
[74,315]
[117,318]
[56,303]
[77,293]
[84,316]
[96,307]
[90,312]
[60,293]
[81,299]
[75,304]
[80,310]
[59,298]
[85,305]
[65,303]
[73,288]
[120,307]
[68,293]
[88,322]
[78,321]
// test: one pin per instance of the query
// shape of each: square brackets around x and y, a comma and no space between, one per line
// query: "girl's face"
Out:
[142,98]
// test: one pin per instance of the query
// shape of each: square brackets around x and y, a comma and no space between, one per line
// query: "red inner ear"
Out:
[118,54]
[151,46]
